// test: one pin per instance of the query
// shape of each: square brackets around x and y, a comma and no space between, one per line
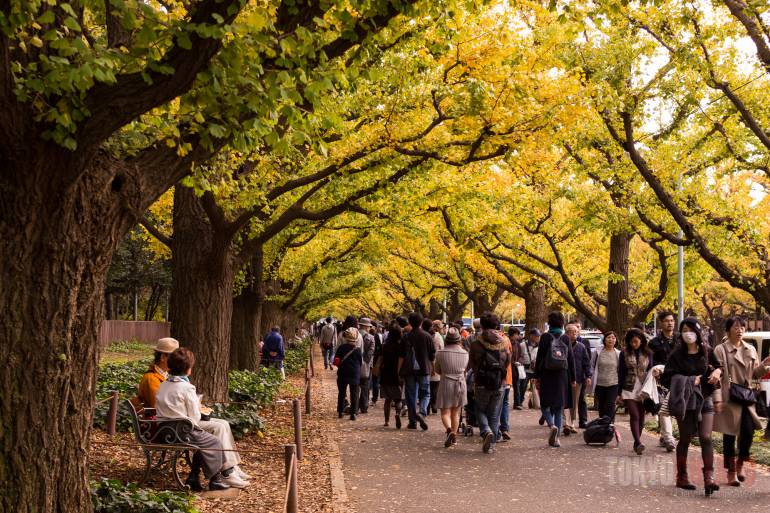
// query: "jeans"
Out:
[552,416]
[328,356]
[417,387]
[745,438]
[488,410]
[605,400]
[505,411]
[341,388]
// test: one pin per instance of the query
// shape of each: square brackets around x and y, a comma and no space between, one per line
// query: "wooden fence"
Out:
[144,331]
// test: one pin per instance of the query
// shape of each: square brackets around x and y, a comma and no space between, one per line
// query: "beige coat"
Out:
[739,365]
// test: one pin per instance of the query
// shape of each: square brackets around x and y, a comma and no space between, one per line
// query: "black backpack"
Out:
[599,431]
[556,359]
[491,372]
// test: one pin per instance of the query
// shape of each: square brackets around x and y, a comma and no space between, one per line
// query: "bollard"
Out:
[112,413]
[297,427]
[290,473]
[307,396]
[312,365]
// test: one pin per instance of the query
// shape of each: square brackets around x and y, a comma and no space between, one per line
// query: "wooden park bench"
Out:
[164,442]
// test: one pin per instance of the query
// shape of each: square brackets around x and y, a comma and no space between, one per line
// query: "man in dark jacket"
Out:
[417,357]
[273,349]
[661,347]
[583,375]
[489,351]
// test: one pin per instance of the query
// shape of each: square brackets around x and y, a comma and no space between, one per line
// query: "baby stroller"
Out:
[468,415]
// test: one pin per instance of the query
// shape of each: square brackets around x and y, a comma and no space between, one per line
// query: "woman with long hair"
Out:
[391,384]
[451,362]
[634,364]
[692,365]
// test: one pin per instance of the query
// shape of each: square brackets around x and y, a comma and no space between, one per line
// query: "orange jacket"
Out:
[148,387]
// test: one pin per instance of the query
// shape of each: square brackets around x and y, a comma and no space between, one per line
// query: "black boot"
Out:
[193,481]
[216,483]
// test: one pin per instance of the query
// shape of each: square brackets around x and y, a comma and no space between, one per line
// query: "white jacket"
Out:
[177,399]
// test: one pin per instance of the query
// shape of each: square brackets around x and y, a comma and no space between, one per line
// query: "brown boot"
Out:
[730,465]
[739,469]
[709,485]
[682,480]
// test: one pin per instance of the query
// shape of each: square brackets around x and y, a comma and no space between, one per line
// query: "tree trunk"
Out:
[272,315]
[247,318]
[202,294]
[434,311]
[618,315]
[535,314]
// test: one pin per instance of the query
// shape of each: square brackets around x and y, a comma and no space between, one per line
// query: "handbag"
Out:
[338,361]
[521,371]
[739,394]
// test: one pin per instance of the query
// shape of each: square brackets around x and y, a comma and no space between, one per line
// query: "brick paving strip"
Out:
[386,470]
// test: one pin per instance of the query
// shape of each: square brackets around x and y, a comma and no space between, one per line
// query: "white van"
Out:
[761,342]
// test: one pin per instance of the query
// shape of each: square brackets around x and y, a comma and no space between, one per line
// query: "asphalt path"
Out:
[389,470]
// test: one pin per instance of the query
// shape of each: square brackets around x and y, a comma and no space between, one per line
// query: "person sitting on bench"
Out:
[177,399]
[157,373]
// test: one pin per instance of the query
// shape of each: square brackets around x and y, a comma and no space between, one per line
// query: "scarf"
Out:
[556,331]
[174,379]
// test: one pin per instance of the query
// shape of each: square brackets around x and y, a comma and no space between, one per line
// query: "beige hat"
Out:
[167,345]
[350,335]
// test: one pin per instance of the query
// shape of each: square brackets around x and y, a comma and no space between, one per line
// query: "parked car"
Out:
[595,338]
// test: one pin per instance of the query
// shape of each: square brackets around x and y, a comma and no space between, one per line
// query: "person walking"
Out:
[533,339]
[606,363]
[635,362]
[391,384]
[661,346]
[438,344]
[367,358]
[348,360]
[418,354]
[509,389]
[691,373]
[736,415]
[327,339]
[489,358]
[583,374]
[517,360]
[376,332]
[452,393]
[554,375]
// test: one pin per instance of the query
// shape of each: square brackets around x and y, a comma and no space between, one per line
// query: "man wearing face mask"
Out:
[661,347]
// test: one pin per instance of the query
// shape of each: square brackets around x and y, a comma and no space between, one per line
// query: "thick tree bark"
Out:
[247,312]
[202,294]
[618,314]
[534,303]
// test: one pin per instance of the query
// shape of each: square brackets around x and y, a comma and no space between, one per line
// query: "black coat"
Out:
[555,385]
[390,352]
[661,348]
[583,369]
[349,371]
[424,350]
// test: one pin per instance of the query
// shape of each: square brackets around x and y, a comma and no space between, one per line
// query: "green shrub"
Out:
[109,496]
[127,346]
[258,387]
[123,377]
[243,418]
[295,358]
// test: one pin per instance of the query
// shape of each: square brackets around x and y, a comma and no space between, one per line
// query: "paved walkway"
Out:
[411,471]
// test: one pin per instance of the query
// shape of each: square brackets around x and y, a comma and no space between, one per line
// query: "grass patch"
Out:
[122,351]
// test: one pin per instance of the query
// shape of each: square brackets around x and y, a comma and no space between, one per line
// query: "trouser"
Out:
[521,390]
[417,388]
[605,400]
[582,406]
[635,418]
[341,389]
[220,429]
[433,394]
[328,356]
[375,383]
[745,438]
[689,428]
[575,397]
[664,420]
[488,410]
[363,396]
[211,461]
[515,384]
[505,410]
[552,416]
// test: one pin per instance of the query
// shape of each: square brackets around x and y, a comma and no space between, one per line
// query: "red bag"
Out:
[337,361]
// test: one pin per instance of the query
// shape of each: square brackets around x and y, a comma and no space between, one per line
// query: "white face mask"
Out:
[689,337]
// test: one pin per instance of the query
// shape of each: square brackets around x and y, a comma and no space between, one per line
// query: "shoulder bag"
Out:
[739,394]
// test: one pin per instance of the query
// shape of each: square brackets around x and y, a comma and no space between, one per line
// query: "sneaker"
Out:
[398,422]
[240,473]
[566,431]
[582,426]
[541,421]
[553,437]
[353,417]
[506,436]
[233,481]
[639,449]
[423,424]
[518,407]
[557,443]
[670,446]
[411,425]
[386,424]
[487,445]
[448,441]
[217,483]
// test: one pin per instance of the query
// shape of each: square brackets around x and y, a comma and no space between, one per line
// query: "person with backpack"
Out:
[636,361]
[489,359]
[417,357]
[327,338]
[554,375]
[348,360]
[692,365]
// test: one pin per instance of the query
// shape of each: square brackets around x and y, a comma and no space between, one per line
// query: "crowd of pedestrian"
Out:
[475,376]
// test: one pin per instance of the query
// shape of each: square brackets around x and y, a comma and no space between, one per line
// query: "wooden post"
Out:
[312,366]
[290,473]
[112,413]
[297,427]
[307,396]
